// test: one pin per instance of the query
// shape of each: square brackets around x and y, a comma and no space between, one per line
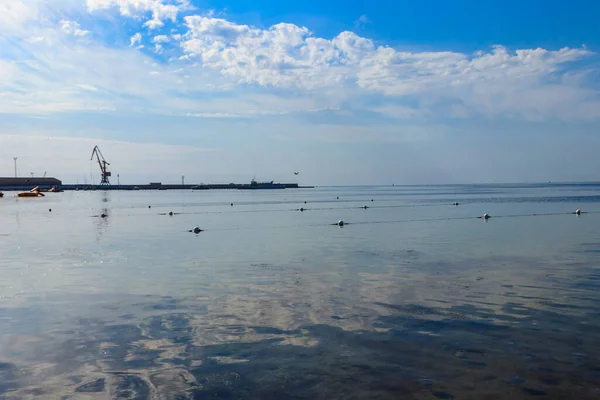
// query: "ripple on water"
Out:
[400,310]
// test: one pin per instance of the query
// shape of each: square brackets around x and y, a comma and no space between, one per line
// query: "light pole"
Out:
[31,174]
[118,180]
[182,179]
[15,158]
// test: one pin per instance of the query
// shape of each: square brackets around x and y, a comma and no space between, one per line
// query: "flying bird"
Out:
[296,173]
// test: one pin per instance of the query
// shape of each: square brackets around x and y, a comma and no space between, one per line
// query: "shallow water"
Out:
[414,298]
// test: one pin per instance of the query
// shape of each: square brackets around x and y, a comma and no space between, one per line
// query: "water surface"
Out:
[414,298]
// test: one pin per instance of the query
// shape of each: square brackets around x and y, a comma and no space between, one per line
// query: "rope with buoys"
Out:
[342,223]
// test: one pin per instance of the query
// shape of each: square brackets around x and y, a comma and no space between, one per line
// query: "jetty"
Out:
[53,184]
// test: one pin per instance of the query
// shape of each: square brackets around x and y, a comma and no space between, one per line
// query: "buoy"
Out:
[301,209]
[50,210]
[338,197]
[455,204]
[149,206]
[340,223]
[371,199]
[578,212]
[103,215]
[231,204]
[305,202]
[196,230]
[365,207]
[486,216]
[171,213]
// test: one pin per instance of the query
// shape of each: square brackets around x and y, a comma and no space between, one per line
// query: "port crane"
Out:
[103,163]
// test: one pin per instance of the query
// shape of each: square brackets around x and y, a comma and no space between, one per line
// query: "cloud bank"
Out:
[75,60]
[200,54]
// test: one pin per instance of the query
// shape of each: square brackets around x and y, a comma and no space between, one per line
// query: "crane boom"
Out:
[102,163]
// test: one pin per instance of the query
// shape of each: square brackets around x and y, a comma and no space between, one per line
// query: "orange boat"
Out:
[35,192]
[30,194]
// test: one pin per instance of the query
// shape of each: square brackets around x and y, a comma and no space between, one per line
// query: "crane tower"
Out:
[102,163]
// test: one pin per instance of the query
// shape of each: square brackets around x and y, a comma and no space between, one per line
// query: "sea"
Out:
[107,294]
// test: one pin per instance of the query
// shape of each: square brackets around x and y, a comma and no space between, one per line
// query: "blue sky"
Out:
[461,24]
[347,92]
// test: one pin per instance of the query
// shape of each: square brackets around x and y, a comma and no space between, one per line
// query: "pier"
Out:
[47,183]
[211,186]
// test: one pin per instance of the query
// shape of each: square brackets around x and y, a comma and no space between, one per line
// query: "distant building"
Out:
[28,183]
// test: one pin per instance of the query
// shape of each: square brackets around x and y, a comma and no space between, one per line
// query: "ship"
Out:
[254,185]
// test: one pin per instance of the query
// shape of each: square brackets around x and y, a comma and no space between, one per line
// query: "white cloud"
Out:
[154,24]
[348,72]
[72,28]
[159,9]
[213,115]
[135,39]
[399,111]
[160,39]
[288,56]
[88,87]
[29,139]
[254,113]
[398,73]
[35,39]
[13,14]
[43,79]
[276,56]
[8,71]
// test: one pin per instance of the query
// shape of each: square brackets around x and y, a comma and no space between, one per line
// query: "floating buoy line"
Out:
[342,223]
[364,207]
[301,209]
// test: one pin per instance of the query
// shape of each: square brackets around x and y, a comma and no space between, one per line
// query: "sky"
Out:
[344,92]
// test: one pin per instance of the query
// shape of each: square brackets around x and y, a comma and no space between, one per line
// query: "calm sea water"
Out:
[414,298]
